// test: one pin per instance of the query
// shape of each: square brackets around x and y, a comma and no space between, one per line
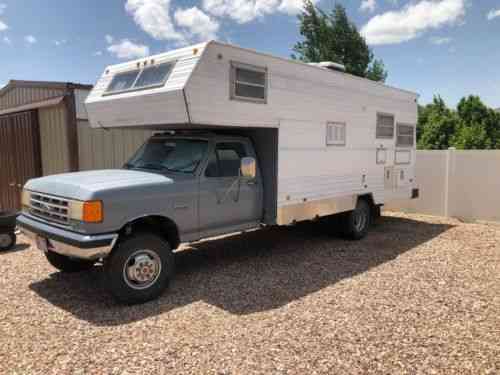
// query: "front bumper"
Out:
[71,244]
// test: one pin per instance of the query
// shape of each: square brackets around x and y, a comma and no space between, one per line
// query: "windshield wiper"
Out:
[152,166]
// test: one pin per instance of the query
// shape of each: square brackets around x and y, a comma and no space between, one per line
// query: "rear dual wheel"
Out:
[357,222]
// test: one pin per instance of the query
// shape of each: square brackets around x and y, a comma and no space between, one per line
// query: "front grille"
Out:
[49,208]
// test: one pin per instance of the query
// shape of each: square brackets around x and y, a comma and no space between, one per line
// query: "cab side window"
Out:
[225,161]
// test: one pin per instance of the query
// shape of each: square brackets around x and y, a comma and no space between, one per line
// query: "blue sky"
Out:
[447,47]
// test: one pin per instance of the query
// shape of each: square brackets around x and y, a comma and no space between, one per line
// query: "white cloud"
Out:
[413,20]
[153,16]
[440,40]
[197,23]
[126,49]
[292,7]
[60,42]
[30,39]
[494,13]
[109,39]
[243,11]
[3,25]
[97,53]
[7,40]
[368,6]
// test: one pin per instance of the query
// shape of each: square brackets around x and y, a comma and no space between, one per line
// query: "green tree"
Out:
[332,37]
[436,126]
[472,126]
[479,125]
[472,137]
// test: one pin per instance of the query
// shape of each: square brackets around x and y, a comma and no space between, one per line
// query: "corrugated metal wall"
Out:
[104,149]
[97,148]
[24,95]
[54,139]
[81,111]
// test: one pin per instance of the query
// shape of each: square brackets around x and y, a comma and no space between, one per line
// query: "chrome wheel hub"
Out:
[5,240]
[142,269]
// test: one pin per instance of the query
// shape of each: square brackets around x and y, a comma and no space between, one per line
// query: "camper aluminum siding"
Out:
[315,176]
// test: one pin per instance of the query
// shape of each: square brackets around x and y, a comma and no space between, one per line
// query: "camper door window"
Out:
[385,126]
[405,135]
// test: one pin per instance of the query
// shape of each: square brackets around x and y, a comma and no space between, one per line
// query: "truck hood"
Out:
[89,185]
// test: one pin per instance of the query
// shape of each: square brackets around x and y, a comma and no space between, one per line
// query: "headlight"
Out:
[88,212]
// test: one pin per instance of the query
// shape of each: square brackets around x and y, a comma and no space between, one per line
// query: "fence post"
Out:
[449,161]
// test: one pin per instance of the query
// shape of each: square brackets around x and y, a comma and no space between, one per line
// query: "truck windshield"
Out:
[169,154]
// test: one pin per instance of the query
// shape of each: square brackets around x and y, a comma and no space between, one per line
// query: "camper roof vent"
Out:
[330,65]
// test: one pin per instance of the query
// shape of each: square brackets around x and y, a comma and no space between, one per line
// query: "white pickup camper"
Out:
[336,136]
[245,139]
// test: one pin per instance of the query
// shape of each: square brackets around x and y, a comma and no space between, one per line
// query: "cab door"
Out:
[227,201]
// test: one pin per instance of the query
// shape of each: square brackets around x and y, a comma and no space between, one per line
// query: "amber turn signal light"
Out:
[92,212]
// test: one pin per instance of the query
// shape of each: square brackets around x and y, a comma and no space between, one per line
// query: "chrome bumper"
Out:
[74,245]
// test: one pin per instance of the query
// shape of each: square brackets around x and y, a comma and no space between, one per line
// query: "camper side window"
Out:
[405,135]
[385,126]
[248,83]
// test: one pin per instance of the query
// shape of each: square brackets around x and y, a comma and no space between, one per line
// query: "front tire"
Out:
[7,241]
[139,268]
[357,222]
[67,264]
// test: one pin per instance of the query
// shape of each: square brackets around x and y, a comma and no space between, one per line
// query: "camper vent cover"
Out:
[330,65]
[335,134]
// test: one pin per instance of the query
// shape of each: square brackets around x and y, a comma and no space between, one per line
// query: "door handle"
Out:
[12,184]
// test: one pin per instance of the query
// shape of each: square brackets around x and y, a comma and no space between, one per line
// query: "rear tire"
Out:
[357,222]
[139,268]
[67,264]
[7,241]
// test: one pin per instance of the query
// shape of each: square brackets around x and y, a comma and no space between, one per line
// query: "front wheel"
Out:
[7,241]
[139,268]
[357,222]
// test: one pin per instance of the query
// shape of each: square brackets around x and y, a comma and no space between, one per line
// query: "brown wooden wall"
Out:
[19,156]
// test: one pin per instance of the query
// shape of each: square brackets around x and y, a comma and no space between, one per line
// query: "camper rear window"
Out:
[151,76]
[248,83]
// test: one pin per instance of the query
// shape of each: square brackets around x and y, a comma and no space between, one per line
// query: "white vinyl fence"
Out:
[462,184]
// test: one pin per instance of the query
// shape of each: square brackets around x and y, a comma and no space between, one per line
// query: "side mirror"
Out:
[248,168]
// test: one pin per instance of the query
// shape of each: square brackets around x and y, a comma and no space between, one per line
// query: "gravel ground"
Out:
[418,295]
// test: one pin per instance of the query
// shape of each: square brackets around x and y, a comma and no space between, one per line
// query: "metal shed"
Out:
[44,130]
